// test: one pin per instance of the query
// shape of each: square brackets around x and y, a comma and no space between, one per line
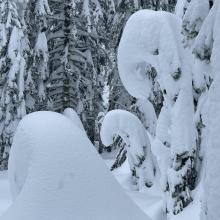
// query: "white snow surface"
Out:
[5,199]
[150,201]
[55,173]
[180,8]
[73,116]
[142,45]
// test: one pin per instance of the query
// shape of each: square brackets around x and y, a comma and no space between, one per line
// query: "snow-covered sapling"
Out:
[130,129]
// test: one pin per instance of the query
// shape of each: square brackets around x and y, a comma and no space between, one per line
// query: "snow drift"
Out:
[55,173]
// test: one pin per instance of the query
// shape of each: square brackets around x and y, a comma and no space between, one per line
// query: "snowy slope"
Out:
[61,176]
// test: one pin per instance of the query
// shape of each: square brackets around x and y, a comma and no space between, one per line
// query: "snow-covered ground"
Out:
[150,201]
[5,199]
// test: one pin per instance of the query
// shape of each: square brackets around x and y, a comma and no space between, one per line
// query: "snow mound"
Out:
[143,46]
[55,173]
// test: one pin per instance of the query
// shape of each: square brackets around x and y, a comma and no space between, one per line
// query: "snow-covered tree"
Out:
[38,73]
[130,129]
[75,74]
[92,12]
[173,74]
[13,53]
[206,50]
[144,110]
[193,18]
[182,174]
[64,66]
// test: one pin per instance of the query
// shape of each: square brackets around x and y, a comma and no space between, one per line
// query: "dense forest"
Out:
[133,82]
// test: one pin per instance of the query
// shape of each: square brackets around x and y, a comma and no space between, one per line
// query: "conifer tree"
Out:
[92,15]
[38,73]
[206,51]
[13,54]
[182,174]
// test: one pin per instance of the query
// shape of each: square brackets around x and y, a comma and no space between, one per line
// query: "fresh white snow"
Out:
[55,173]
[126,125]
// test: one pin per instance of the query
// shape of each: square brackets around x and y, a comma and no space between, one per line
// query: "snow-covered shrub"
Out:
[130,129]
[55,173]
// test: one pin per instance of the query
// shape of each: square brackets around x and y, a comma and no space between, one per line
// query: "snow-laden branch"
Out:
[130,129]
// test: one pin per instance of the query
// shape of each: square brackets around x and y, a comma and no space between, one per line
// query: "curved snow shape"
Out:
[151,39]
[73,116]
[55,173]
[130,129]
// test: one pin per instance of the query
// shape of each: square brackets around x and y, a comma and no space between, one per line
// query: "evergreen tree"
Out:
[92,14]
[193,18]
[13,56]
[206,50]
[182,174]
[64,74]
[38,73]
[75,73]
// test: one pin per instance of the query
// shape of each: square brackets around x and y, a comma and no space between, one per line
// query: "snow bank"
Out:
[55,173]
[143,46]
[130,129]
